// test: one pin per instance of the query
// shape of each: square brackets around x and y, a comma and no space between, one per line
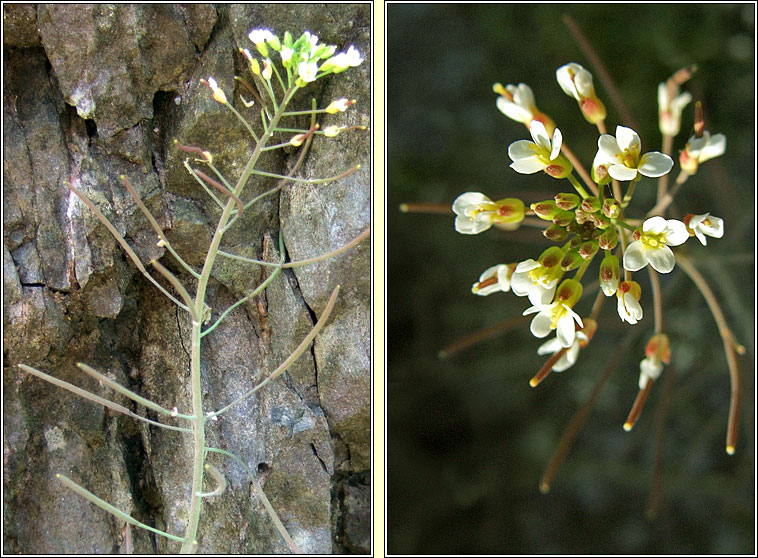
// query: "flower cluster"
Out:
[590,219]
[305,56]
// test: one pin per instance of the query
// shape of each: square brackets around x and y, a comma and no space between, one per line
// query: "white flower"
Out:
[569,357]
[628,306]
[652,247]
[701,149]
[702,225]
[657,352]
[260,36]
[650,369]
[541,154]
[343,60]
[520,106]
[494,279]
[576,82]
[670,109]
[307,71]
[621,155]
[476,213]
[286,54]
[538,279]
[558,315]
[554,316]
[218,94]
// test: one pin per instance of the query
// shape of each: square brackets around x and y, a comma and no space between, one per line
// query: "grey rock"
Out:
[97,91]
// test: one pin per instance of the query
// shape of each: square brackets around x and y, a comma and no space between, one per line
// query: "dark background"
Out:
[468,439]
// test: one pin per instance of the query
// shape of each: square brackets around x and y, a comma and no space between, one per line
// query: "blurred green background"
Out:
[468,439]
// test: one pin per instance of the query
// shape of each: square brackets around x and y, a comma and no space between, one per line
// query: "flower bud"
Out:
[560,167]
[588,249]
[551,257]
[581,216]
[609,275]
[509,210]
[609,239]
[340,105]
[571,260]
[611,208]
[600,175]
[600,221]
[331,131]
[563,218]
[632,287]
[569,292]
[567,201]
[658,346]
[266,73]
[545,210]
[591,204]
[555,233]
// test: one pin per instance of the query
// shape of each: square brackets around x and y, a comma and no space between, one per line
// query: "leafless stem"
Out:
[730,346]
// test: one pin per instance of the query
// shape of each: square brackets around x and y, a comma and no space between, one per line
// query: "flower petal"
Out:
[654,225]
[620,172]
[676,233]
[661,258]
[513,111]
[469,201]
[528,165]
[609,146]
[540,326]
[549,347]
[655,164]
[627,138]
[635,256]
[565,331]
[466,225]
[716,146]
[557,141]
[539,134]
[540,294]
[522,149]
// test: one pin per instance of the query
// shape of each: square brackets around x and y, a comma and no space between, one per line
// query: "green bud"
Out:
[609,275]
[571,260]
[545,210]
[555,233]
[569,292]
[611,208]
[588,249]
[567,201]
[601,221]
[591,204]
[563,218]
[551,257]
[609,239]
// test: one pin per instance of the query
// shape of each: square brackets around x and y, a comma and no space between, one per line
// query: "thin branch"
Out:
[124,244]
[179,288]
[602,73]
[155,225]
[577,421]
[96,398]
[99,502]
[730,345]
[128,393]
[364,234]
[292,358]
[481,335]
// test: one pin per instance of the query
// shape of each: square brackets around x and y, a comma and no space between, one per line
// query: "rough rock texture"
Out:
[96,91]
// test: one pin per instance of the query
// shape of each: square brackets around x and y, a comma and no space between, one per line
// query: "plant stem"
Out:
[729,348]
[578,187]
[189,544]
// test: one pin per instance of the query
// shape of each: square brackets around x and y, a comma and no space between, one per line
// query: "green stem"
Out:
[578,187]
[189,544]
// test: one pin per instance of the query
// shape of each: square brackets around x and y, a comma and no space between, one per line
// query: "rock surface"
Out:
[96,91]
